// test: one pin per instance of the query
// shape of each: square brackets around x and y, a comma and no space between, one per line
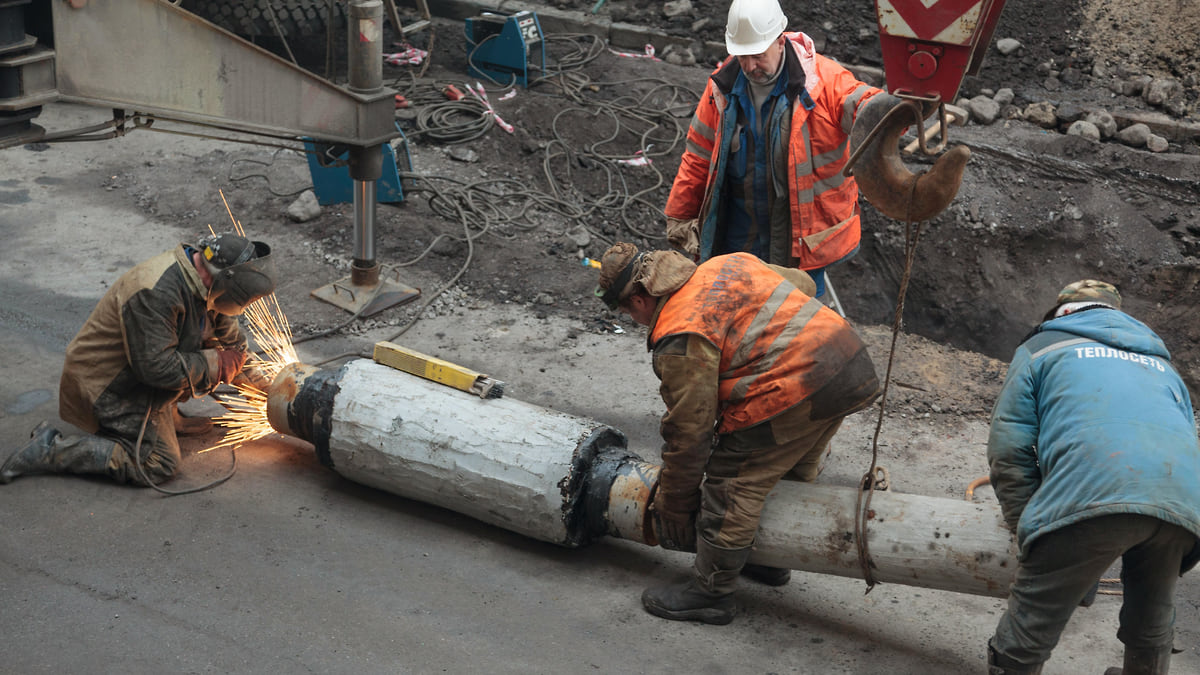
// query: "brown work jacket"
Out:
[152,330]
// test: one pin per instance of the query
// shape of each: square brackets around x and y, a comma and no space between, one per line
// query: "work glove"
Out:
[675,527]
[684,235]
[252,378]
[230,362]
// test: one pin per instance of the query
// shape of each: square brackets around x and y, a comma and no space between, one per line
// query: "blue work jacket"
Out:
[1093,420]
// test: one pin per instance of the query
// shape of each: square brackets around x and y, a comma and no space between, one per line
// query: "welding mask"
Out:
[242,271]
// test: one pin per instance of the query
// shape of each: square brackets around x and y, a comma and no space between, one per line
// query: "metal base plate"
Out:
[368,300]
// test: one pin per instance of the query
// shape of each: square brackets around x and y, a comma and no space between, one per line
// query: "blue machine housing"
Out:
[499,45]
[331,179]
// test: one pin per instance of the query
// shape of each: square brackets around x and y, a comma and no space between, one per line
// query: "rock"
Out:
[1004,97]
[1052,84]
[699,24]
[579,237]
[447,247]
[1007,46]
[1135,135]
[679,56]
[463,154]
[1041,114]
[1177,106]
[1159,89]
[1103,121]
[1071,76]
[983,110]
[305,208]
[1156,143]
[677,8]
[1084,129]
[1134,86]
[1068,113]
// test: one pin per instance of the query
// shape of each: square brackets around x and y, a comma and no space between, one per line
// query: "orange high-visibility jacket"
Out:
[778,346]
[823,203]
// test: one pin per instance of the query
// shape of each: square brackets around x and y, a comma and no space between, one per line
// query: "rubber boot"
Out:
[999,664]
[190,426]
[1144,662]
[706,595]
[764,574]
[48,451]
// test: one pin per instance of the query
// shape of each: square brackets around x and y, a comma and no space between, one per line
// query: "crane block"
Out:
[929,46]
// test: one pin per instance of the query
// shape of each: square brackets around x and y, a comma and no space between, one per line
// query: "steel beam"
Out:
[150,56]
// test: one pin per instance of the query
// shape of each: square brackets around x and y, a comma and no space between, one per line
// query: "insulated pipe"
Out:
[501,461]
[567,480]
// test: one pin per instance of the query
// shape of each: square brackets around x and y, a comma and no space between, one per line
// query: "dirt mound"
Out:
[1155,38]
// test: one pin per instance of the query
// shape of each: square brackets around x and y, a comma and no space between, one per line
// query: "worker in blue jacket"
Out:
[1093,456]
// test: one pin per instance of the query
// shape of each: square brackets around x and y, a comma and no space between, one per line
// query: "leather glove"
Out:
[675,529]
[252,378]
[684,235]
[230,364]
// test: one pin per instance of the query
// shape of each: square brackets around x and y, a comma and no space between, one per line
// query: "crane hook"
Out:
[883,179]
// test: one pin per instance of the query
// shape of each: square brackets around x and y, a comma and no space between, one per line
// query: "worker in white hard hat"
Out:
[762,168]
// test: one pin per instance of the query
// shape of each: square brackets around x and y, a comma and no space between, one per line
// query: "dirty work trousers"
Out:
[120,421]
[745,465]
[1063,565]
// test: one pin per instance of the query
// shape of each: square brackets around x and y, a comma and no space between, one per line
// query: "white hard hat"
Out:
[752,26]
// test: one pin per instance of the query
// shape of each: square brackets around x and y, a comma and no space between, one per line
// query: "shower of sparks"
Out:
[246,419]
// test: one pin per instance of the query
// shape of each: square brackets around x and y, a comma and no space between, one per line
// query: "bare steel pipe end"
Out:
[283,392]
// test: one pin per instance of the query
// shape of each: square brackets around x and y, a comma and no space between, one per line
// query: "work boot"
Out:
[49,452]
[707,595]
[999,664]
[687,600]
[190,426]
[764,574]
[1144,662]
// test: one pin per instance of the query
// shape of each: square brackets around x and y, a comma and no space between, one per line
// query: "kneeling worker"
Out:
[165,332]
[757,377]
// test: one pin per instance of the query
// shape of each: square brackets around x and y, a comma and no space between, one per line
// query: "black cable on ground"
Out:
[652,123]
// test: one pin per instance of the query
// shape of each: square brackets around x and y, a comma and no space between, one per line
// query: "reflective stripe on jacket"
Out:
[152,329]
[823,203]
[1093,420]
[778,346]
